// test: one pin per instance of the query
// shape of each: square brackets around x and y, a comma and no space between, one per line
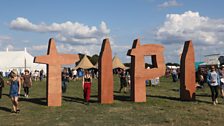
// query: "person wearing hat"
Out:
[15,85]
[27,82]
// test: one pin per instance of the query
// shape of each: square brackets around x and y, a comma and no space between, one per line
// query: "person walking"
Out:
[86,84]
[221,73]
[213,80]
[74,74]
[41,75]
[123,81]
[65,79]
[1,85]
[200,78]
[27,82]
[174,75]
[14,92]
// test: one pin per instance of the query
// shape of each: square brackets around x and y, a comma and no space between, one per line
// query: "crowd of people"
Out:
[213,77]
[215,80]
[16,81]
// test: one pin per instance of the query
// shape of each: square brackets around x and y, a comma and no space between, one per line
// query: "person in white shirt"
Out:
[213,80]
[74,74]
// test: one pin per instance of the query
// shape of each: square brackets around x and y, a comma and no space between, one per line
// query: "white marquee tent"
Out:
[19,60]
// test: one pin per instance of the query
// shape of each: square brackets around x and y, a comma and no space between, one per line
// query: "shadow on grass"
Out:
[117,92]
[6,94]
[5,109]
[77,99]
[39,101]
[116,97]
[122,98]
[165,97]
[200,101]
[178,99]
[175,90]
[203,95]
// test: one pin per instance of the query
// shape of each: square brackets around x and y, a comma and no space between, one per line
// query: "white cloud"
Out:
[10,47]
[39,47]
[4,38]
[170,3]
[73,32]
[191,26]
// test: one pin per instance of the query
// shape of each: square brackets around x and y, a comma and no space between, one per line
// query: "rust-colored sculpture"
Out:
[54,60]
[187,70]
[105,82]
[138,72]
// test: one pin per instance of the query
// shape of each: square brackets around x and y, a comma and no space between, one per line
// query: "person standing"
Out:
[174,75]
[36,72]
[213,82]
[128,76]
[14,92]
[41,74]
[65,79]
[200,78]
[86,84]
[27,82]
[1,85]
[221,72]
[74,74]
[123,81]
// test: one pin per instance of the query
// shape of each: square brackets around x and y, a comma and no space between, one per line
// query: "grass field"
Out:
[163,107]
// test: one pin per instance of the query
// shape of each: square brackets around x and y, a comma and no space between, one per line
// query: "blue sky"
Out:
[79,26]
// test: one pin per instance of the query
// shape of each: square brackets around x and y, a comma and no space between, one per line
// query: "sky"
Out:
[79,26]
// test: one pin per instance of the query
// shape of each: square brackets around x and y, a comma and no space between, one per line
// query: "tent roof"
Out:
[18,59]
[117,63]
[85,63]
[96,65]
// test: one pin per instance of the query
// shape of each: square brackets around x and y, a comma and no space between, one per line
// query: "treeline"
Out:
[93,59]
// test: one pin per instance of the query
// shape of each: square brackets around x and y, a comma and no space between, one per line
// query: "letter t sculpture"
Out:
[54,60]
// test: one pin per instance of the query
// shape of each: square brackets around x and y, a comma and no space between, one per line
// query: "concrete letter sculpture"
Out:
[105,82]
[187,70]
[138,72]
[54,60]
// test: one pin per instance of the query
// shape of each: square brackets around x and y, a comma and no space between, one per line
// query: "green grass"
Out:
[162,108]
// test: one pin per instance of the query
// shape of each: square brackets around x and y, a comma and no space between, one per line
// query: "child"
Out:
[27,82]
[14,92]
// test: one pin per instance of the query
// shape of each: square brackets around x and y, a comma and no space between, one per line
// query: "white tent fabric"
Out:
[19,60]
[173,67]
